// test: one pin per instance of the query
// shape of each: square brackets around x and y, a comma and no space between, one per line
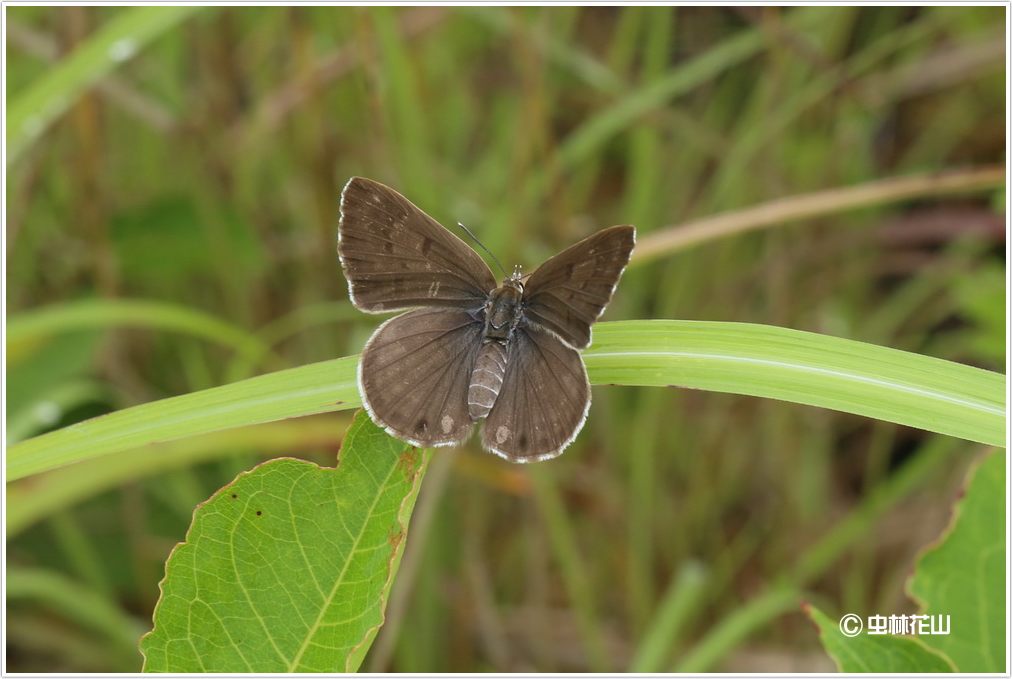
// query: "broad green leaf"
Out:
[875,653]
[740,358]
[288,568]
[964,575]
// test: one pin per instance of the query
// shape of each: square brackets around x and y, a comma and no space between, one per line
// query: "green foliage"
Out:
[288,568]
[89,608]
[982,298]
[877,654]
[291,393]
[32,111]
[804,368]
[827,178]
[734,357]
[961,579]
[48,377]
[36,328]
[964,575]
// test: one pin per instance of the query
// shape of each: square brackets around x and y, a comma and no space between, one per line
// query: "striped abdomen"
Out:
[486,379]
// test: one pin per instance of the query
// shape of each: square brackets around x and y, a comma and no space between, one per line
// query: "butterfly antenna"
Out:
[475,239]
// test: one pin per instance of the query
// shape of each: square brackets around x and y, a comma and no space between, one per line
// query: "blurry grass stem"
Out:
[818,204]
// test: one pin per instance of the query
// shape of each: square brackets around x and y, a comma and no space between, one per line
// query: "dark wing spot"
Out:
[421,426]
[522,442]
[427,244]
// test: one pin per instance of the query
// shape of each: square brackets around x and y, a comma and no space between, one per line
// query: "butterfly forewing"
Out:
[415,372]
[396,257]
[568,292]
[543,401]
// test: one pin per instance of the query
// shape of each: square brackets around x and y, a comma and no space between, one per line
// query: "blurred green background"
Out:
[194,167]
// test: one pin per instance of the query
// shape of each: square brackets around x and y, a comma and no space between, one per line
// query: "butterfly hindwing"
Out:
[414,374]
[543,401]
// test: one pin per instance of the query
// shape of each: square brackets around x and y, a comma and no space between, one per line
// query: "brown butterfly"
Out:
[472,349]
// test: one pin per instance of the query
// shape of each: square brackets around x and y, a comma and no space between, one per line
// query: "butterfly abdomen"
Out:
[486,379]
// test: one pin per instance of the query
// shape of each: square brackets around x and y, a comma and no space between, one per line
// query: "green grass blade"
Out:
[739,358]
[735,628]
[31,112]
[573,567]
[30,501]
[117,630]
[856,525]
[308,389]
[675,611]
[803,367]
[620,116]
[29,328]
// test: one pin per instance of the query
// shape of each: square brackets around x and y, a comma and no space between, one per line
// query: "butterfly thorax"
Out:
[504,310]
[503,313]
